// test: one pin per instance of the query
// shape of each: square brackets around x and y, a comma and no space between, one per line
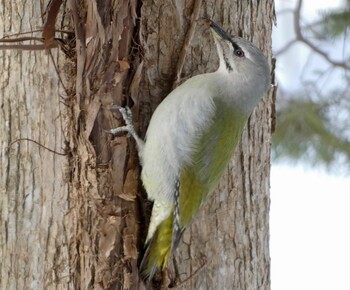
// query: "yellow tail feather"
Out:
[158,250]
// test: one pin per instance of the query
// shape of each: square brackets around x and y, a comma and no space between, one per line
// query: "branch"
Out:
[37,143]
[285,11]
[300,37]
[286,47]
[22,46]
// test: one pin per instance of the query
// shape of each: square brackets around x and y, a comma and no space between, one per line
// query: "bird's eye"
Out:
[239,52]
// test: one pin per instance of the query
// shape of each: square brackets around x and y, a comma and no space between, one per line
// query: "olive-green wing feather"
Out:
[211,156]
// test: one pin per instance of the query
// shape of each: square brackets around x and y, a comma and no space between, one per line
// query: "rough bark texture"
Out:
[34,200]
[78,222]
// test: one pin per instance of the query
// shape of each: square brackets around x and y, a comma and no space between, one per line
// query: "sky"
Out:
[310,230]
[310,209]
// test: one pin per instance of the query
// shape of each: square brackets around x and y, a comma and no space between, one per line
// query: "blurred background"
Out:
[310,184]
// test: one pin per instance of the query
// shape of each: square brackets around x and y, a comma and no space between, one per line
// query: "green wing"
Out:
[212,155]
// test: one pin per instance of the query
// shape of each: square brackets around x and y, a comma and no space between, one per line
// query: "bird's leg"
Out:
[129,127]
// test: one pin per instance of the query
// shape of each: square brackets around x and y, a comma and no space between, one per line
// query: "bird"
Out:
[191,138]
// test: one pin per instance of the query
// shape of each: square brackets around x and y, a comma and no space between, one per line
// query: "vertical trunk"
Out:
[34,198]
[77,221]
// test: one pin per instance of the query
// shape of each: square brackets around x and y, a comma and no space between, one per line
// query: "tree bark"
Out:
[78,221]
[34,196]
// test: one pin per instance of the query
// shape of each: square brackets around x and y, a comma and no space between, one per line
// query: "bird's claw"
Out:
[129,127]
[127,117]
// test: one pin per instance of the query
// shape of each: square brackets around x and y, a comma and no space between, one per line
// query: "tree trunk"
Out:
[77,220]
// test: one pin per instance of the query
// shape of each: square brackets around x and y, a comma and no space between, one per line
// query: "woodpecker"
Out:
[191,137]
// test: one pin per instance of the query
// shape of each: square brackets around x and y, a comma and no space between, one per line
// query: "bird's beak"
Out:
[218,32]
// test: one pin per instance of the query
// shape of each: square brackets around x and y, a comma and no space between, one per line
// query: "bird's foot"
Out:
[128,128]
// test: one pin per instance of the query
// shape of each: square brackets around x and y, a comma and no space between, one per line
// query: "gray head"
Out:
[241,59]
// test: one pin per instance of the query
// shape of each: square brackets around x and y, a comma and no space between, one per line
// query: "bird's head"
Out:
[240,57]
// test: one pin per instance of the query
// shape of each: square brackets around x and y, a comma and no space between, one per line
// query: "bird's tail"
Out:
[158,250]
